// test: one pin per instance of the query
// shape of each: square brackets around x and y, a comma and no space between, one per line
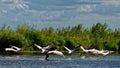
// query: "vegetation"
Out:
[99,36]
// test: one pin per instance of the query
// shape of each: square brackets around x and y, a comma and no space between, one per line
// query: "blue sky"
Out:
[59,13]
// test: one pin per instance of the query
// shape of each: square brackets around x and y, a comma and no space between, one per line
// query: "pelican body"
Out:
[54,52]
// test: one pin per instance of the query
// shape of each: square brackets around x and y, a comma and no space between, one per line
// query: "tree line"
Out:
[99,36]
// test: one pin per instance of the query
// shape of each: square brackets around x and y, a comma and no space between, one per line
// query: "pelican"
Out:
[49,50]
[42,48]
[13,48]
[93,51]
[90,50]
[69,51]
[105,52]
[96,52]
[54,52]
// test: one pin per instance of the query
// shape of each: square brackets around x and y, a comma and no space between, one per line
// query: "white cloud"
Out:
[47,15]
[3,11]
[34,15]
[5,0]
[115,3]
[14,4]
[85,8]
[89,19]
[19,4]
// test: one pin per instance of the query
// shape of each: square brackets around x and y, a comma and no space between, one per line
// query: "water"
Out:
[37,61]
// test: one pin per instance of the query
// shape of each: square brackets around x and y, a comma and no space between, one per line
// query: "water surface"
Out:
[38,61]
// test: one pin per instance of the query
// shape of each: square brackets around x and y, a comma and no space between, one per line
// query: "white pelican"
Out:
[42,48]
[86,51]
[105,52]
[13,48]
[54,52]
[96,52]
[69,51]
[92,51]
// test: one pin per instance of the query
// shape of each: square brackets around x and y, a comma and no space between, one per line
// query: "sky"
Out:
[59,13]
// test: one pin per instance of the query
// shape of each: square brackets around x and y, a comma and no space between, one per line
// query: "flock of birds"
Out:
[51,50]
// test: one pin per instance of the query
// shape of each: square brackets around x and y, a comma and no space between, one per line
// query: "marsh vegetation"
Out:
[99,36]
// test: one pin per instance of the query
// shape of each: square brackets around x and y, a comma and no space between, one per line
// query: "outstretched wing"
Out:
[47,47]
[39,47]
[16,48]
[10,49]
[67,49]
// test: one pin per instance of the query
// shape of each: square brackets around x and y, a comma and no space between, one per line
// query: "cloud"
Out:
[58,12]
[13,5]
[9,10]
[115,3]
[5,0]
[85,8]
[4,11]
[101,7]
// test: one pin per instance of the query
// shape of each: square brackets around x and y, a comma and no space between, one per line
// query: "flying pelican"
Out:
[86,51]
[49,50]
[69,51]
[93,51]
[54,52]
[105,52]
[42,48]
[96,52]
[13,48]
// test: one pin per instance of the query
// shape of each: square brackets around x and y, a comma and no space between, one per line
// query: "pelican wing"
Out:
[84,50]
[106,53]
[67,49]
[47,47]
[39,47]
[10,49]
[17,48]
